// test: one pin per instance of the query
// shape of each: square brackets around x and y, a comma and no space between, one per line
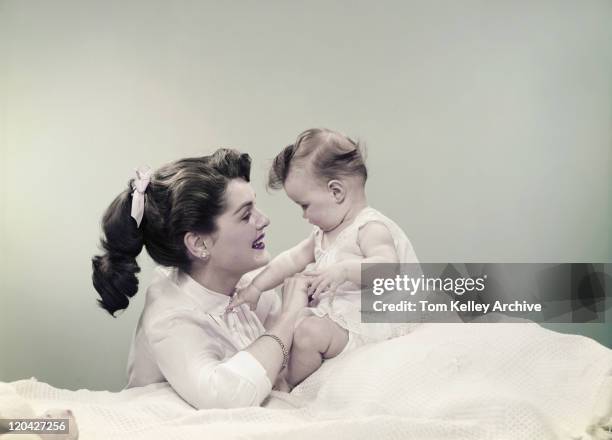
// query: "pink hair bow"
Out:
[143,177]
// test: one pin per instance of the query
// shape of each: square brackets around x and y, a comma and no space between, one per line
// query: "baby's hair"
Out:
[183,196]
[331,155]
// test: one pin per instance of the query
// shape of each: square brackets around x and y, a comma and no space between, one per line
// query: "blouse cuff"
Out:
[245,365]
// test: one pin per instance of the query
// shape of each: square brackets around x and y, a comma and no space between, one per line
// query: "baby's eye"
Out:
[247,217]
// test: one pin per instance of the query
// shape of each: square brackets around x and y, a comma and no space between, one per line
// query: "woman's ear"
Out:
[337,190]
[196,245]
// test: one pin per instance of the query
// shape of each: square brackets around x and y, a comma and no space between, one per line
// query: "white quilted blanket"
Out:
[442,381]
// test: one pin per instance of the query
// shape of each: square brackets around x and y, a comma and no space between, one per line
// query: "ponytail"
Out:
[183,196]
[114,272]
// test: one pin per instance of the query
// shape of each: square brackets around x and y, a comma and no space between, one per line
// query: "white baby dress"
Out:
[344,307]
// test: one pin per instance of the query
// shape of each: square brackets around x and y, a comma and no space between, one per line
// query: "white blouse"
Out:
[185,338]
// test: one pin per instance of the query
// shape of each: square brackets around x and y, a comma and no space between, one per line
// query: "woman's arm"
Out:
[193,362]
[268,351]
[189,356]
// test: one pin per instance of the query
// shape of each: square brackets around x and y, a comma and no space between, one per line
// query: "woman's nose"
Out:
[262,220]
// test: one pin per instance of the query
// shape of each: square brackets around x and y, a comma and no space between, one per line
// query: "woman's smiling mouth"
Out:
[258,243]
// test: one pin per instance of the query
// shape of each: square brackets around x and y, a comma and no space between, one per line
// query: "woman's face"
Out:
[238,243]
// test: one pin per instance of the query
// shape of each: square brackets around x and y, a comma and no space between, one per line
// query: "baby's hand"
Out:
[249,294]
[326,280]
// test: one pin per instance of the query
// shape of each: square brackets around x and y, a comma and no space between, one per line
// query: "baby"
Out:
[324,173]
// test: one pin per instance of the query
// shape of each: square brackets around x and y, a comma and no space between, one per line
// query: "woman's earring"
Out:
[204,254]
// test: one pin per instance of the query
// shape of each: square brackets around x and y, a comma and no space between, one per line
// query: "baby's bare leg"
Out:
[314,339]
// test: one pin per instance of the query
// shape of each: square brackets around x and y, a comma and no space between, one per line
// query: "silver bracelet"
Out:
[282,346]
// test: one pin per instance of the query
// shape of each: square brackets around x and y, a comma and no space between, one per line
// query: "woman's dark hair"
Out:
[330,154]
[182,196]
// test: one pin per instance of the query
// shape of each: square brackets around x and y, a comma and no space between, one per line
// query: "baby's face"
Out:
[317,201]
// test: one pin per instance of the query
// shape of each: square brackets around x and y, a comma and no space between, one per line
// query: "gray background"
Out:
[487,122]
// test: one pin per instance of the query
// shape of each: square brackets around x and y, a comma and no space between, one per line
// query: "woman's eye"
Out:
[247,217]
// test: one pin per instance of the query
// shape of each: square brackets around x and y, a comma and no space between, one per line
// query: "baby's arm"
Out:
[285,265]
[376,244]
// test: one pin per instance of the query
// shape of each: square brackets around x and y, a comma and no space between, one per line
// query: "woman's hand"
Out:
[295,296]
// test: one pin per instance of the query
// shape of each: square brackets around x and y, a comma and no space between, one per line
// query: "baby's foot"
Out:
[281,384]
[73,430]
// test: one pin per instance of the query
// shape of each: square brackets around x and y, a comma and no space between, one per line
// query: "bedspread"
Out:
[442,381]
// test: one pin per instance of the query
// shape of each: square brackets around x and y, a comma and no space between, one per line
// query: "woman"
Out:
[197,217]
